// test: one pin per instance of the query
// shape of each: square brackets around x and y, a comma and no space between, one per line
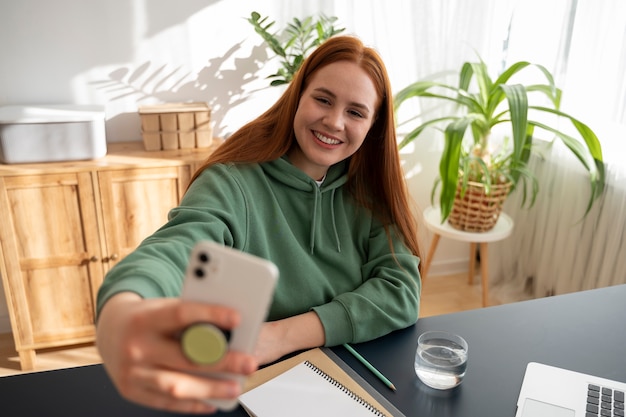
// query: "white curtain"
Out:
[555,249]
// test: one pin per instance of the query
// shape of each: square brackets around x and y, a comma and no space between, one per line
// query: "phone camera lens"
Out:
[204,257]
[199,272]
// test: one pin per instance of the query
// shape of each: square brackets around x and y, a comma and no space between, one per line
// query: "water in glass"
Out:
[441,362]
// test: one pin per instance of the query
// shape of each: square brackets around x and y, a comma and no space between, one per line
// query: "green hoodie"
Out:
[333,257]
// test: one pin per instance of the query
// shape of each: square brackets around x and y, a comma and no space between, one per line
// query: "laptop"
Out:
[548,391]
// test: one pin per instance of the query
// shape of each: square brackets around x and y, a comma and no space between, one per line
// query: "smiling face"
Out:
[335,112]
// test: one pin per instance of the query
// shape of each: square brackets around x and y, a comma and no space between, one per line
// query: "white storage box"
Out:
[51,133]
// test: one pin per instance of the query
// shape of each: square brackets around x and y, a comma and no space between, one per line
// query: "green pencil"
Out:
[369,366]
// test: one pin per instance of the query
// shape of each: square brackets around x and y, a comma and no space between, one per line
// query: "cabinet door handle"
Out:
[113,257]
[94,259]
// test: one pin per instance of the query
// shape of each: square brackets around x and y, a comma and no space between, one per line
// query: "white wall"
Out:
[123,53]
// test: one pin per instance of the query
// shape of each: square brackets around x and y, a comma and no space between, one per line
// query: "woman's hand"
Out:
[138,342]
[282,337]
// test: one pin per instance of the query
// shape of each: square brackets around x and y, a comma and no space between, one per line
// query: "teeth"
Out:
[326,140]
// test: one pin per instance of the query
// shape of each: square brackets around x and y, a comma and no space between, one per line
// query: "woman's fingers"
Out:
[183,392]
[172,315]
[176,391]
[185,386]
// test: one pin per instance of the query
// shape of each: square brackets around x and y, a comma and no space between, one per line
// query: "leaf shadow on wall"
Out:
[223,88]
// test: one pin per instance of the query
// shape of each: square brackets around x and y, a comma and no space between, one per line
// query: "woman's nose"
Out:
[334,120]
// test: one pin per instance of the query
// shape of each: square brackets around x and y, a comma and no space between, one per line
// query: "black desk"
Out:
[561,331]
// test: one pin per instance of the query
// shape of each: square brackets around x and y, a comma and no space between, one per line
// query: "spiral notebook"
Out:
[316,386]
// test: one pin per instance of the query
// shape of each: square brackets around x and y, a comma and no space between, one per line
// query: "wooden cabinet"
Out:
[63,225]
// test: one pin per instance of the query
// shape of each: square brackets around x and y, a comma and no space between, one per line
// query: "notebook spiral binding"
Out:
[375,411]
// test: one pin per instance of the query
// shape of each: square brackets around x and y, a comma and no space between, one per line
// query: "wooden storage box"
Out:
[176,126]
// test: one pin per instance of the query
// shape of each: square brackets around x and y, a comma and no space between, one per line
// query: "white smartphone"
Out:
[217,274]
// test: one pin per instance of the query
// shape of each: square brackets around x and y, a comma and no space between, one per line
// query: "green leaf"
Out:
[526,174]
[591,140]
[269,38]
[422,89]
[465,76]
[449,164]
[510,71]
[418,130]
[484,83]
[518,109]
[594,166]
[553,93]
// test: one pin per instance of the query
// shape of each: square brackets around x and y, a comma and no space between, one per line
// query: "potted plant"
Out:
[295,42]
[470,163]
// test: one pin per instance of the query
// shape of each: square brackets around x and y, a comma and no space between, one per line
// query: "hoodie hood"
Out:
[286,173]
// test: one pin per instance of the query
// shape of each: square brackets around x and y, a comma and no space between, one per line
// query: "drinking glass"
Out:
[441,359]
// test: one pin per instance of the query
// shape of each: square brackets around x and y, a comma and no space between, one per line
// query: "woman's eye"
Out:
[356,113]
[322,100]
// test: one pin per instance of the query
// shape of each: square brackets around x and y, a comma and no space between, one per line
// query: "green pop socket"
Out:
[203,343]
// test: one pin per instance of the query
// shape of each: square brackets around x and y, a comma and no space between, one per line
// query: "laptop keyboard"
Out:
[604,402]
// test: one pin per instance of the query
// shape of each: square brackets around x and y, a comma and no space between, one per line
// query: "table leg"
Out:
[472,263]
[27,359]
[484,267]
[429,257]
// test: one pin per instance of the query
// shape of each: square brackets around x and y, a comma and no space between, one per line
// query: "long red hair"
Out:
[375,176]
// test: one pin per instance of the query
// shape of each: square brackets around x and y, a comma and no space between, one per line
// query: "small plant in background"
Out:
[294,43]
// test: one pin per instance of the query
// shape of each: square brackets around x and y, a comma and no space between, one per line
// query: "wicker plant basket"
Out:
[477,211]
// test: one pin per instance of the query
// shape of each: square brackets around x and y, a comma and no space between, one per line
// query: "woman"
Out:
[315,185]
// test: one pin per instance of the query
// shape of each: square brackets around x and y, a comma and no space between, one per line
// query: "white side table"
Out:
[502,229]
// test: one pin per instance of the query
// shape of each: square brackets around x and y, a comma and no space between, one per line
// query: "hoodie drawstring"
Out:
[317,193]
[332,215]
[318,208]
